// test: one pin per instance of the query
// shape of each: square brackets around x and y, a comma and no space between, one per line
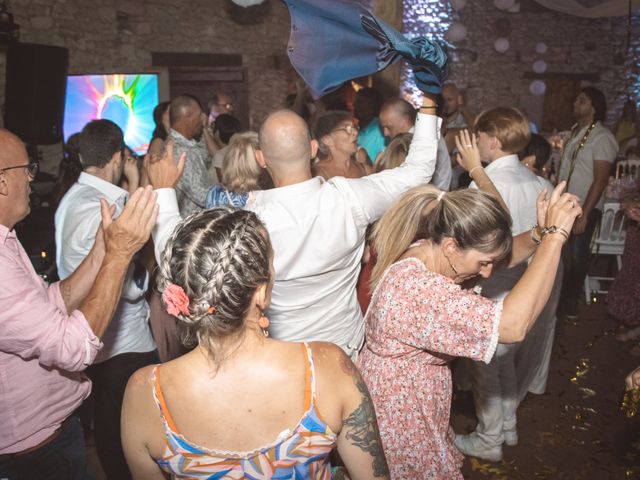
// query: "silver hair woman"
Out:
[419,318]
[235,402]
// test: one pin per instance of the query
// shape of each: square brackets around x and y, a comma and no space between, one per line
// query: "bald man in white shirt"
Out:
[318,228]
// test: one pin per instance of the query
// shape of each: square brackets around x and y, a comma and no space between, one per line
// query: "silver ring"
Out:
[469,145]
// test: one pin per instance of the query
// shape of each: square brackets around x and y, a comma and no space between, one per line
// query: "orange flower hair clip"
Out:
[176,300]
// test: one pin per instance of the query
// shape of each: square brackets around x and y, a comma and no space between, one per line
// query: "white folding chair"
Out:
[608,239]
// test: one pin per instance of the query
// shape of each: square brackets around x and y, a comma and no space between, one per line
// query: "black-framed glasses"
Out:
[32,168]
[351,128]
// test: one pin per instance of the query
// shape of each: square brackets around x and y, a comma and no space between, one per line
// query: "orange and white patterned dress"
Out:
[416,323]
[302,453]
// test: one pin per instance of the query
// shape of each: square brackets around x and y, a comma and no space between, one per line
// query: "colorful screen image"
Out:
[126,99]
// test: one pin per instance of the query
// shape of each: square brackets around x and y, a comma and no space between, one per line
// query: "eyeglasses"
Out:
[228,106]
[350,129]
[32,168]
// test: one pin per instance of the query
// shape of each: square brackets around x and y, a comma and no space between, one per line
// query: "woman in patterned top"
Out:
[240,172]
[420,318]
[240,404]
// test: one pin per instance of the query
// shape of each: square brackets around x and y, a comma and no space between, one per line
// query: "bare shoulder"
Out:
[331,357]
[142,378]
[325,352]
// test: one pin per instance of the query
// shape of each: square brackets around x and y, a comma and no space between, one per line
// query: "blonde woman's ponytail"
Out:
[398,227]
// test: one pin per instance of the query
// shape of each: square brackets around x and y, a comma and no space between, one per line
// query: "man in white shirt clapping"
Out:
[128,343]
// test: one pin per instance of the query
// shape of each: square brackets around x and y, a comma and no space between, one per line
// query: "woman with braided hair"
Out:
[240,404]
[420,318]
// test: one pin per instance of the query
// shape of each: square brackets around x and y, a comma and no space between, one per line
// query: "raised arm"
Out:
[526,300]
[164,173]
[468,157]
[375,193]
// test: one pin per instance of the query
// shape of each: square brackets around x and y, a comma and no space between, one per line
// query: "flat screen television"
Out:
[126,99]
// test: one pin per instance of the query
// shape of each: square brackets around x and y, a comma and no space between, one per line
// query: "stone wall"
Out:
[575,46]
[119,35]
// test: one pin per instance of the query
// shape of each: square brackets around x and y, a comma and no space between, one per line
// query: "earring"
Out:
[451,265]
[264,325]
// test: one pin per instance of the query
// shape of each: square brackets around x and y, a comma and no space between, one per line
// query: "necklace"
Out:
[579,146]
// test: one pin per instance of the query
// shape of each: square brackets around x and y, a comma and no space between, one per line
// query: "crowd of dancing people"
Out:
[288,302]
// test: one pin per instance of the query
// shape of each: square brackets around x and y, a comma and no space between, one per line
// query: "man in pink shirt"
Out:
[50,333]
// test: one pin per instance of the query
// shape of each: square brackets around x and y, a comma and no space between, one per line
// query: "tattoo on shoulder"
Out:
[361,425]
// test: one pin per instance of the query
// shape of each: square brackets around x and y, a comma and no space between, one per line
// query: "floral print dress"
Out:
[417,322]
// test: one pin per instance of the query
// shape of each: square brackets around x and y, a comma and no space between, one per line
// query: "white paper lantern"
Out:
[504,4]
[501,45]
[458,5]
[515,8]
[247,3]
[541,48]
[539,66]
[457,31]
[537,87]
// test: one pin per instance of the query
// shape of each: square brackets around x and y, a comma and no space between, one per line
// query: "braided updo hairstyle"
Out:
[219,257]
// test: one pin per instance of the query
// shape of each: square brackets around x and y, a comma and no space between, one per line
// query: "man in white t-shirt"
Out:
[501,132]
[317,228]
[585,165]
[128,343]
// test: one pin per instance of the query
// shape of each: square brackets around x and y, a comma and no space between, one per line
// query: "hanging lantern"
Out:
[247,3]
[457,32]
[541,48]
[458,5]
[539,66]
[501,45]
[537,87]
[504,4]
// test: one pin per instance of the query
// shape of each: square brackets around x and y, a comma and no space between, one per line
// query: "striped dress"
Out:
[302,453]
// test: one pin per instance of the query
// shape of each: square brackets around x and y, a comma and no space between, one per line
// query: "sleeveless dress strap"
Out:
[160,401]
[310,378]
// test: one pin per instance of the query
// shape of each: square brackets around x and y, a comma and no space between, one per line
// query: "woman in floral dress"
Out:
[420,318]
